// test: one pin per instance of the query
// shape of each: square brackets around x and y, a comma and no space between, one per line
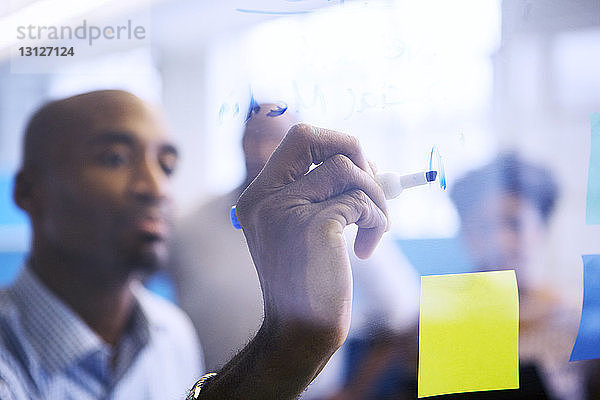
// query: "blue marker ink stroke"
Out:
[587,344]
[592,211]
[253,108]
[436,164]
[281,108]
[267,12]
[307,10]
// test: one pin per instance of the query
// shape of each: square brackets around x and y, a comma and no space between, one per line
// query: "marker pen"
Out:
[391,183]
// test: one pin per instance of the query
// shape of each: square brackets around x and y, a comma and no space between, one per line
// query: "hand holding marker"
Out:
[392,183]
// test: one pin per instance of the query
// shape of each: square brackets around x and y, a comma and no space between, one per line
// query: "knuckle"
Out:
[325,222]
[299,214]
[300,131]
[360,198]
[346,204]
[342,163]
[354,143]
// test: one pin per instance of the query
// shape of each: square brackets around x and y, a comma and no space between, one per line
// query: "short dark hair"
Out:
[506,174]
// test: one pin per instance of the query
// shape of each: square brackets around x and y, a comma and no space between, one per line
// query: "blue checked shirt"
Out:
[48,352]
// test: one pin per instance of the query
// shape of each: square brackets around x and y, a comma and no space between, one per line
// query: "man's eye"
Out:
[113,159]
[169,168]
[168,163]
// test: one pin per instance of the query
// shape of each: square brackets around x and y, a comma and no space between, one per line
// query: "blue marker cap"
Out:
[436,163]
[234,220]
[430,176]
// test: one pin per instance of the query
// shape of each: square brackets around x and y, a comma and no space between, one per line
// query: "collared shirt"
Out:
[48,352]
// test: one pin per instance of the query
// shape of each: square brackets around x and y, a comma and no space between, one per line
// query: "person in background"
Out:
[505,209]
[215,280]
[77,323]
[218,287]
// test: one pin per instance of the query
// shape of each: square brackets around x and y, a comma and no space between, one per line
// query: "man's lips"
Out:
[152,228]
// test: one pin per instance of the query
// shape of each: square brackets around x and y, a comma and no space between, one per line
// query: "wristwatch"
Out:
[195,390]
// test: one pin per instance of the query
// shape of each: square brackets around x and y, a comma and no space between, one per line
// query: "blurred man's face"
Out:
[504,231]
[109,199]
[262,135]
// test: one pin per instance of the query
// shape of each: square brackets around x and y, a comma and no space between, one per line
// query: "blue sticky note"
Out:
[587,344]
[592,212]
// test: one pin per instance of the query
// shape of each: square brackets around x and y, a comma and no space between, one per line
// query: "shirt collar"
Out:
[59,336]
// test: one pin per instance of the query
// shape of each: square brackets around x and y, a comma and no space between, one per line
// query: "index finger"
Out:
[305,145]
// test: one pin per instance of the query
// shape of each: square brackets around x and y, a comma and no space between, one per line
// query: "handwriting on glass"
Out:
[291,11]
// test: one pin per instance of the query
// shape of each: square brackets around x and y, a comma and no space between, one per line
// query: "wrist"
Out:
[303,340]
[279,363]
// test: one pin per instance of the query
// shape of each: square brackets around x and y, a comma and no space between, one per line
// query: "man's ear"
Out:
[24,192]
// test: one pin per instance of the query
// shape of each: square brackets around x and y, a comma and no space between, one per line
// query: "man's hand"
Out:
[293,220]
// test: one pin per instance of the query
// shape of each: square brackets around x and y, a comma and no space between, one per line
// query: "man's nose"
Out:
[150,184]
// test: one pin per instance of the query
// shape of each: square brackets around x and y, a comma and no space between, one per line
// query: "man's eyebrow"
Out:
[112,137]
[127,138]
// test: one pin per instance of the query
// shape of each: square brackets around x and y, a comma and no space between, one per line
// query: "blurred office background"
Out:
[471,77]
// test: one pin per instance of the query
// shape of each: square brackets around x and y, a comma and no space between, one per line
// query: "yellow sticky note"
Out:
[468,333]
